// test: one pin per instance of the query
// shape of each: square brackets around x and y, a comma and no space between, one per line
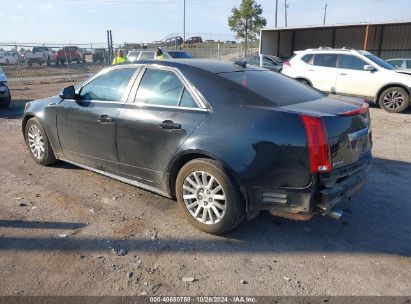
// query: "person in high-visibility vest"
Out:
[120,58]
[159,54]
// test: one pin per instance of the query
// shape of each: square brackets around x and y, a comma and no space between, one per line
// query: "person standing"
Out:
[159,54]
[121,58]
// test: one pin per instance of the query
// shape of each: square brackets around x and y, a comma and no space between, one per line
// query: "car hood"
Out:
[405,71]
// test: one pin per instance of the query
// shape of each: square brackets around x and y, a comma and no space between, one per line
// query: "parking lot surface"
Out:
[68,231]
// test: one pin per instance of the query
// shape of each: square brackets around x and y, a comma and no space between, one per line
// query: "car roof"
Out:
[333,50]
[213,66]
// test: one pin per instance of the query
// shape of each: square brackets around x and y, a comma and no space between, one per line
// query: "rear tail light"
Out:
[318,146]
[361,110]
[287,63]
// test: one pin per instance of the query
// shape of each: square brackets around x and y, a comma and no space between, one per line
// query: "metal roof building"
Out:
[387,40]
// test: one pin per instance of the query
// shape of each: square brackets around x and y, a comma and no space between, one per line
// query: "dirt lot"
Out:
[59,224]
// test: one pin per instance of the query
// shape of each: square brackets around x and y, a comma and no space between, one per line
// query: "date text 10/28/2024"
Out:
[203,299]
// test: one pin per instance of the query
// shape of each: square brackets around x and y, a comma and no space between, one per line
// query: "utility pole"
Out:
[285,12]
[184,23]
[276,12]
[325,13]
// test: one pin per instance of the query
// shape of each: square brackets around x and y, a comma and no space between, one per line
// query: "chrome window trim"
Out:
[195,94]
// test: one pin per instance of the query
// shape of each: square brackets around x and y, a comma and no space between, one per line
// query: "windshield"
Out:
[179,55]
[279,89]
[382,63]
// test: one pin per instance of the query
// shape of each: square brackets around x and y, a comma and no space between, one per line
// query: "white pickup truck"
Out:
[39,55]
[5,96]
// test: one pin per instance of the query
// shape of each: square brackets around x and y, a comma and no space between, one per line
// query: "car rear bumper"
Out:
[321,196]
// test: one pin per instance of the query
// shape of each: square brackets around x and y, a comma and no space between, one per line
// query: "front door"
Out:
[352,79]
[322,72]
[150,130]
[86,127]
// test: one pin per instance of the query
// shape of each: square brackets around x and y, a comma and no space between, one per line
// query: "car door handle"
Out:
[105,119]
[311,70]
[344,74]
[170,125]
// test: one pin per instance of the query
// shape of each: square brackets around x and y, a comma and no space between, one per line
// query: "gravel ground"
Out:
[62,230]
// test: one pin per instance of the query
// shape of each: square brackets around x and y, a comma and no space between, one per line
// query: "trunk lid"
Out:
[348,127]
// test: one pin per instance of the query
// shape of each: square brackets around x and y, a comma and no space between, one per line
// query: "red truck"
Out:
[70,54]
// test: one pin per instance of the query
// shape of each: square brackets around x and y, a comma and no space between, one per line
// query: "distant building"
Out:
[387,40]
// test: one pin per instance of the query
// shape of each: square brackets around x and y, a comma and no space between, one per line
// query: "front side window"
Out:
[163,88]
[254,60]
[352,63]
[110,86]
[408,64]
[325,60]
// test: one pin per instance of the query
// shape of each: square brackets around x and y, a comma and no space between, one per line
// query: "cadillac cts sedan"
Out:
[224,139]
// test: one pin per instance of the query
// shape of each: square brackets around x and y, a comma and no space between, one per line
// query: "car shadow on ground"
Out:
[376,221]
[15,110]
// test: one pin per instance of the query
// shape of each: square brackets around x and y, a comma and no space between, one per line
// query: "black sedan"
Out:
[272,63]
[224,139]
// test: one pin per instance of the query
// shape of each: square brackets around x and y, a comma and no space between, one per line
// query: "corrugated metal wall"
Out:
[384,40]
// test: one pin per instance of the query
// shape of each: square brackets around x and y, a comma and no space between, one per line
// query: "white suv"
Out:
[354,73]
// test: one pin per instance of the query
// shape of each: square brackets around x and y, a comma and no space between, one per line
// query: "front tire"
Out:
[208,196]
[394,100]
[38,143]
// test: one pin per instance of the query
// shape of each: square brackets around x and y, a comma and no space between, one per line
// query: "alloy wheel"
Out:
[204,197]
[393,100]
[36,142]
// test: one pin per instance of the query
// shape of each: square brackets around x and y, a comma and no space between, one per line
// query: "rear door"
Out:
[87,127]
[352,79]
[322,71]
[149,131]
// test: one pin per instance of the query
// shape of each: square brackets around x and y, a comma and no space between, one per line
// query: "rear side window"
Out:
[352,63]
[408,64]
[163,88]
[279,89]
[307,58]
[325,60]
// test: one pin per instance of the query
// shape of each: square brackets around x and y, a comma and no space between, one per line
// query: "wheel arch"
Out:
[305,79]
[390,85]
[187,156]
[26,118]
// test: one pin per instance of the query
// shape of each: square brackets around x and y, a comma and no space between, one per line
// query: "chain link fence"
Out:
[49,62]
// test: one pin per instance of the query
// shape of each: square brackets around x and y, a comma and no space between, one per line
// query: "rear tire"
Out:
[394,100]
[38,143]
[208,196]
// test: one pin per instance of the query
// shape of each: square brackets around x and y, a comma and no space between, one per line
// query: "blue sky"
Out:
[86,21]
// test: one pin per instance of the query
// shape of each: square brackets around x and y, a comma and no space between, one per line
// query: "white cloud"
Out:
[1,14]
[19,6]
[17,18]
[46,6]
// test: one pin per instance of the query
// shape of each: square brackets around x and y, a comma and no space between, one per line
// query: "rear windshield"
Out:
[279,89]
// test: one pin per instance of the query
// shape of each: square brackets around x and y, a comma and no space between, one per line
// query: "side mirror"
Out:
[68,93]
[369,68]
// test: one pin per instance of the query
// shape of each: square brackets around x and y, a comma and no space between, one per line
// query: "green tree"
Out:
[246,21]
